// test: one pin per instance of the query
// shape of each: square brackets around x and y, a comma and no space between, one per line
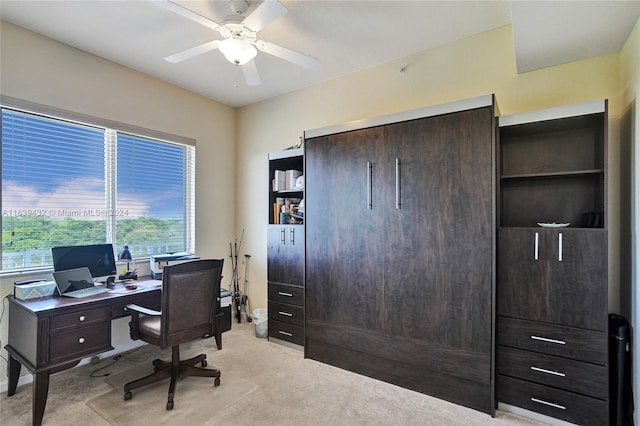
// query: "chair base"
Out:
[174,370]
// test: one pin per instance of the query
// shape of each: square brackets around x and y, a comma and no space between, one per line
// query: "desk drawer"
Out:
[148,301]
[78,319]
[287,332]
[79,342]
[581,377]
[286,313]
[567,342]
[289,294]
[552,402]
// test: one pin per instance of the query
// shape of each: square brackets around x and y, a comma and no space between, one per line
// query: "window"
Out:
[67,182]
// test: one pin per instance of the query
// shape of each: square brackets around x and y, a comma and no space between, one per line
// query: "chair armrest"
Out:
[137,309]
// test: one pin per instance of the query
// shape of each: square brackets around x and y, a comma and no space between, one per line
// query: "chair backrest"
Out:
[190,297]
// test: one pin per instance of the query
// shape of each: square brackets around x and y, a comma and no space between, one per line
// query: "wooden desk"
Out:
[52,334]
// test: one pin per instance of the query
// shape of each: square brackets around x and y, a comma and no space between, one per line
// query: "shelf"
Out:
[289,191]
[552,174]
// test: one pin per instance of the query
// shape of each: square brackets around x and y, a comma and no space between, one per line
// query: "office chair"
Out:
[190,298]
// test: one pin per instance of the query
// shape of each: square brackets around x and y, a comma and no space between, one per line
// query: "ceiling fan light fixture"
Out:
[237,51]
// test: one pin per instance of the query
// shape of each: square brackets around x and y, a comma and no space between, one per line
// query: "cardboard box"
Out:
[35,290]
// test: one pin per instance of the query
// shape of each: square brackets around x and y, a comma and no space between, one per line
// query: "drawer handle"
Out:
[81,318]
[545,339]
[542,370]
[282,293]
[285,333]
[81,340]
[550,404]
[286,314]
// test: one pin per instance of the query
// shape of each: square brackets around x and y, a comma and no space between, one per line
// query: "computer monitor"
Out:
[99,258]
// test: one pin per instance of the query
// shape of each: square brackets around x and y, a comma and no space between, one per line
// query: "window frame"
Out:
[111,129]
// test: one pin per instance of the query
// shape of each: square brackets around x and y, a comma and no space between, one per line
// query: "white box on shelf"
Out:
[291,176]
[279,180]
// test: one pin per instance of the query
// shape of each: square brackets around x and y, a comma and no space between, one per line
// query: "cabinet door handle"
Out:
[81,340]
[282,236]
[81,318]
[544,370]
[285,333]
[398,187]
[536,246]
[286,314]
[282,293]
[560,247]
[550,404]
[292,237]
[546,339]
[369,185]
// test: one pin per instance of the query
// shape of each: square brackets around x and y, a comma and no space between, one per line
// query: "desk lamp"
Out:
[125,254]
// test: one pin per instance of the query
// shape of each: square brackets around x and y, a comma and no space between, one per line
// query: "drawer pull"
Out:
[550,404]
[282,293]
[286,314]
[542,370]
[81,340]
[81,318]
[285,333]
[545,339]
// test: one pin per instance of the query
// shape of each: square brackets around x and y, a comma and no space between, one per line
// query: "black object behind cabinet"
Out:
[399,284]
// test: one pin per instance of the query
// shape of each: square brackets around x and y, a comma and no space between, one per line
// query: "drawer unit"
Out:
[286,313]
[552,402]
[287,332]
[568,342]
[79,342]
[289,294]
[576,376]
[78,319]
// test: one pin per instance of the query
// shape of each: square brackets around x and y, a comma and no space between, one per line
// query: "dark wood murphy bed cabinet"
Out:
[400,249]
[552,286]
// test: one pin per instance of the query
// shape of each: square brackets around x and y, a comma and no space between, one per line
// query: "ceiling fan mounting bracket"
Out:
[239,7]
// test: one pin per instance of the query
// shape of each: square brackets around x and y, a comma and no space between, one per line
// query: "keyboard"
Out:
[84,292]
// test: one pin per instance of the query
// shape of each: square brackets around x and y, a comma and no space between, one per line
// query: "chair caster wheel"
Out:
[216,382]
[203,363]
[169,405]
[127,395]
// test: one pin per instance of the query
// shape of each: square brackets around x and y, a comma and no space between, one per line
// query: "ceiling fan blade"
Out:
[288,54]
[194,51]
[267,12]
[251,73]
[186,13]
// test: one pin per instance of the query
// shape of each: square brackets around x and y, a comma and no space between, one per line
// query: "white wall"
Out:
[40,70]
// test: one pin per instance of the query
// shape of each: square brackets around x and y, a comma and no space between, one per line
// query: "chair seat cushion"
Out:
[149,325]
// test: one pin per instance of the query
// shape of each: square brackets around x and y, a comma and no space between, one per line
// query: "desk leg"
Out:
[40,391]
[14,375]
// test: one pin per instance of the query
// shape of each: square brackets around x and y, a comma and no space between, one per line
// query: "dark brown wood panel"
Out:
[568,342]
[285,254]
[345,238]
[575,376]
[454,389]
[547,289]
[553,402]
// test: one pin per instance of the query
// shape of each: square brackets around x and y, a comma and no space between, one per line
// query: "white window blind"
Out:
[69,183]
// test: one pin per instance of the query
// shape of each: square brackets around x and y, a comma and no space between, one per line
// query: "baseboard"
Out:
[28,378]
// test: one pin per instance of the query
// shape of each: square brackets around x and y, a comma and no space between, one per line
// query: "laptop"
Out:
[76,283]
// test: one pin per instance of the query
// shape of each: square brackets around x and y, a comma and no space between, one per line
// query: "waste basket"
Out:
[260,320]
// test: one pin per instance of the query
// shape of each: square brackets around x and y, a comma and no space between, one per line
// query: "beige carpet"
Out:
[263,383]
[196,399]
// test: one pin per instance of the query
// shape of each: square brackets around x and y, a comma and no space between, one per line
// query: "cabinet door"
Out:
[438,225]
[285,254]
[522,274]
[344,251]
[566,285]
[578,278]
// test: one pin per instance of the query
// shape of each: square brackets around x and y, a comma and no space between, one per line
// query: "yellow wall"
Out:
[477,65]
[40,70]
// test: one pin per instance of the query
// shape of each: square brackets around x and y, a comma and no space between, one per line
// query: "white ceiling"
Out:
[346,36]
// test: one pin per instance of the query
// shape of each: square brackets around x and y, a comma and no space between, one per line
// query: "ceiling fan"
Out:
[239,43]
